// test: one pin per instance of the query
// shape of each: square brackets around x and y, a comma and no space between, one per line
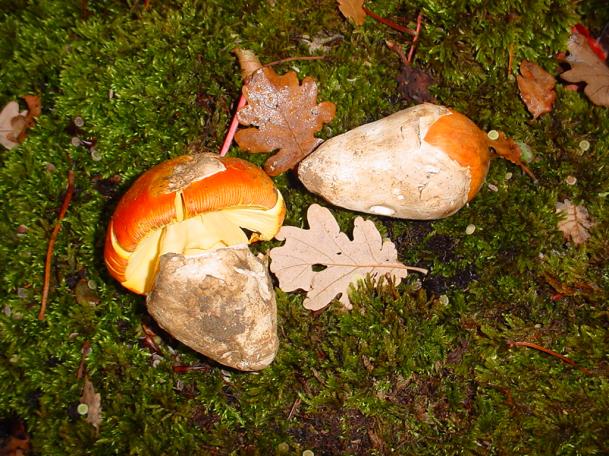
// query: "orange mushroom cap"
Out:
[188,205]
[464,142]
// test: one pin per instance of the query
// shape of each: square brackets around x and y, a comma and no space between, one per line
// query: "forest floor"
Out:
[463,360]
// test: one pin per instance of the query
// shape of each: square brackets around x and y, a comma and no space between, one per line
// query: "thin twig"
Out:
[294,407]
[563,358]
[398,50]
[85,350]
[184,369]
[510,58]
[291,59]
[415,38]
[387,22]
[49,258]
[228,140]
[148,339]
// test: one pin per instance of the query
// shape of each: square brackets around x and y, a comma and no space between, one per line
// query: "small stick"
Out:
[291,59]
[549,352]
[415,38]
[233,127]
[294,407]
[49,258]
[387,22]
[398,50]
[510,58]
[86,349]
[148,339]
[184,369]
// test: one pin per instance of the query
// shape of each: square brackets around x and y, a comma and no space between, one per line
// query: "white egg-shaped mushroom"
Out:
[423,163]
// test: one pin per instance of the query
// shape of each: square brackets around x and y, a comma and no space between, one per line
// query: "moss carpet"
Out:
[426,368]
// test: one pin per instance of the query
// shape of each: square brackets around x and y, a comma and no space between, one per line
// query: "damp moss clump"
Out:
[426,367]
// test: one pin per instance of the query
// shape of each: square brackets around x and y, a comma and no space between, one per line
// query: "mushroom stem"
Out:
[220,303]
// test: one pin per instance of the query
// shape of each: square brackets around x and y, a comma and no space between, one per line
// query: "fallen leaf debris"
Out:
[15,123]
[296,264]
[588,68]
[575,222]
[536,88]
[284,115]
[92,402]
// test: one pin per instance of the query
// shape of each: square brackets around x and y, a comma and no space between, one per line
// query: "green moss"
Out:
[421,368]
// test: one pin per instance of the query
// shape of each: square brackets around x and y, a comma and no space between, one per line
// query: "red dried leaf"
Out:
[536,88]
[285,116]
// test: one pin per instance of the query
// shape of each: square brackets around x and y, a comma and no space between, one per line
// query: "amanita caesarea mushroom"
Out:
[423,163]
[194,211]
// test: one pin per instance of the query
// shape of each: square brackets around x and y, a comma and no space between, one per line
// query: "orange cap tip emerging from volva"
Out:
[188,205]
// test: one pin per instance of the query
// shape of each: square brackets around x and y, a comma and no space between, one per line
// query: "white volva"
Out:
[386,168]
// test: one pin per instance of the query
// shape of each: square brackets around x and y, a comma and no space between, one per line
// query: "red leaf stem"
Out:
[415,38]
[387,22]
[563,358]
[233,127]
[49,257]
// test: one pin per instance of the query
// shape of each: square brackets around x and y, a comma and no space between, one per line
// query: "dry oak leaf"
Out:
[296,263]
[536,88]
[93,403]
[285,115]
[14,124]
[586,66]
[353,10]
[575,221]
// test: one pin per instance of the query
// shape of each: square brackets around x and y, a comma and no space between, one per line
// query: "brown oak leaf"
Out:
[285,116]
[93,403]
[587,67]
[536,88]
[296,263]
[353,10]
[574,221]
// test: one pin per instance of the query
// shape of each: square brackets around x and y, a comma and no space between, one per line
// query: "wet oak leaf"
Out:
[536,87]
[353,10]
[93,402]
[285,116]
[296,264]
[587,67]
[574,221]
